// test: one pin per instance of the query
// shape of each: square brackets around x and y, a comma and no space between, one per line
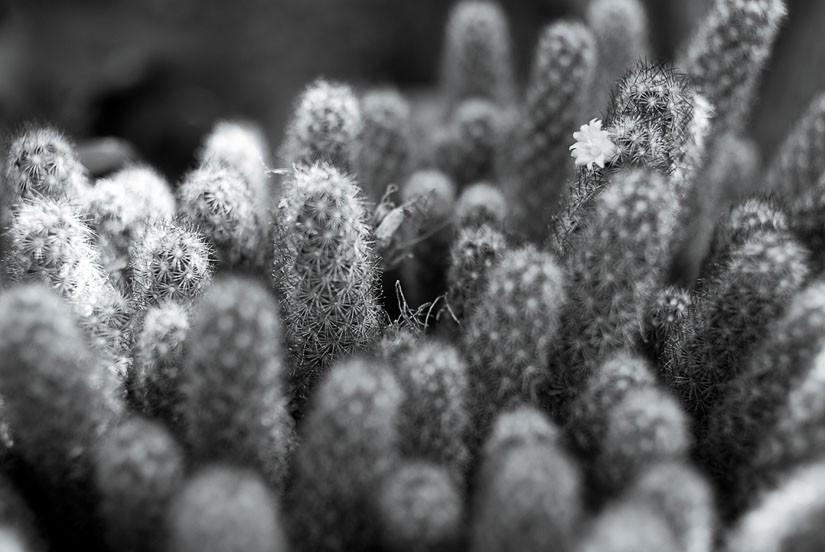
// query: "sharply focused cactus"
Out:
[325,127]
[172,261]
[621,31]
[563,71]
[119,207]
[738,303]
[478,53]
[243,146]
[50,244]
[420,509]
[325,273]
[57,398]
[138,467]
[531,501]
[226,209]
[224,508]
[752,401]
[510,335]
[729,51]
[350,441]
[384,151]
[233,405]
[434,420]
[41,162]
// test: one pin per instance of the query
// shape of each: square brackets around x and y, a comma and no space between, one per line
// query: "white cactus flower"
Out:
[593,146]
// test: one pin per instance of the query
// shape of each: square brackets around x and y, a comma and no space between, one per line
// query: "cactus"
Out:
[172,261]
[324,128]
[41,162]
[158,353]
[385,149]
[728,175]
[423,275]
[796,436]
[434,419]
[561,77]
[138,467]
[752,401]
[621,31]
[511,333]
[50,244]
[620,374]
[468,150]
[218,199]
[683,498]
[788,517]
[615,269]
[647,426]
[798,163]
[629,527]
[734,311]
[118,208]
[224,508]
[477,59]
[242,146]
[233,404]
[666,317]
[473,255]
[727,53]
[479,204]
[420,509]
[530,502]
[398,341]
[655,120]
[325,273]
[350,442]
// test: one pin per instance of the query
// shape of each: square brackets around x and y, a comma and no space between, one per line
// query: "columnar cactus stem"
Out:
[172,261]
[420,509]
[138,467]
[562,75]
[729,51]
[531,501]
[350,442]
[225,508]
[434,420]
[325,127]
[478,53]
[325,273]
[479,204]
[752,401]
[41,162]
[629,526]
[511,333]
[233,405]
[799,163]
[220,201]
[621,31]
[385,148]
[243,146]
[615,266]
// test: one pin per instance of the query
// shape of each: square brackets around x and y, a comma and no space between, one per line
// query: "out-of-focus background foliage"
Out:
[160,72]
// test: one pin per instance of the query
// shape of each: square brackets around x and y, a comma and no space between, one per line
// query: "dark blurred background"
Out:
[160,72]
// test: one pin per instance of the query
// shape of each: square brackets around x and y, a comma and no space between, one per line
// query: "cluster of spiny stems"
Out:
[578,316]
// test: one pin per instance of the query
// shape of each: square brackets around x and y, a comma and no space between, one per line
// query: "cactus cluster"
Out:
[575,315]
